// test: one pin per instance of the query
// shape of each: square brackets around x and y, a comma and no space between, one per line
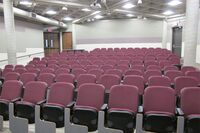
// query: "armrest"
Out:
[71,105]
[41,102]
[140,109]
[179,112]
[16,99]
[104,107]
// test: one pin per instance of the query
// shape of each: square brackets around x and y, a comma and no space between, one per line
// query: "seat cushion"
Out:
[25,103]
[54,104]
[120,109]
[4,101]
[159,112]
[85,107]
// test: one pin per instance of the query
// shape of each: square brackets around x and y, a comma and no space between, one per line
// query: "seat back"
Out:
[91,95]
[6,70]
[12,76]
[108,80]
[159,81]
[189,100]
[9,66]
[49,78]
[47,70]
[150,73]
[123,97]
[34,91]
[96,72]
[20,70]
[195,74]
[78,71]
[184,81]
[114,71]
[154,99]
[134,72]
[61,71]
[135,80]
[85,78]
[27,77]
[61,93]
[185,69]
[65,78]
[11,89]
[172,74]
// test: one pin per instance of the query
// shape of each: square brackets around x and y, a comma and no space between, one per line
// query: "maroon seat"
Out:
[167,68]
[20,70]
[195,74]
[96,72]
[19,66]
[11,76]
[90,99]
[153,67]
[150,73]
[34,93]
[85,78]
[122,107]
[65,78]
[53,66]
[78,71]
[48,78]
[27,77]
[123,68]
[60,96]
[11,92]
[185,69]
[9,66]
[62,71]
[190,106]
[106,67]
[33,70]
[47,70]
[134,72]
[138,67]
[172,74]
[114,71]
[6,70]
[159,113]
[184,81]
[159,81]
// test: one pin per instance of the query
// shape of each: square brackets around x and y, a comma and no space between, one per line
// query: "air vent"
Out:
[33,15]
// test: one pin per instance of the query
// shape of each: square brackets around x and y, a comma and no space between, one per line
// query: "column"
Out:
[191,24]
[164,35]
[61,41]
[10,31]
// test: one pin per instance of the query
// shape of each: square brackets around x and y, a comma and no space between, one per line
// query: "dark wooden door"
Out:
[67,40]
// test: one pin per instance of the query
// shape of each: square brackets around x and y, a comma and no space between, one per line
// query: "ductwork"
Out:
[36,17]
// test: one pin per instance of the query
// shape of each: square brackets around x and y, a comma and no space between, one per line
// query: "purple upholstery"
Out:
[6,70]
[89,67]
[106,67]
[123,97]
[135,80]
[34,92]
[9,66]
[96,72]
[65,78]
[91,95]
[47,70]
[19,66]
[108,80]
[49,78]
[153,67]
[29,66]
[184,81]
[11,89]
[78,71]
[195,74]
[12,76]
[154,99]
[85,78]
[33,70]
[123,68]
[36,59]
[136,62]
[172,74]
[27,77]
[134,72]
[123,62]
[165,63]
[138,67]
[150,73]
[20,70]
[84,62]
[159,81]
[62,71]
[190,103]
[167,68]
[60,93]
[53,66]
[150,62]
[114,71]
[185,69]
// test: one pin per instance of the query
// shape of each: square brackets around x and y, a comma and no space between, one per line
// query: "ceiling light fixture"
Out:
[128,6]
[51,12]
[26,3]
[168,12]
[67,19]
[139,1]
[98,17]
[129,15]
[174,2]
[64,8]
[86,10]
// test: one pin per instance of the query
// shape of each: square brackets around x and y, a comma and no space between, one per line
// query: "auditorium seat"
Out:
[134,72]
[62,71]
[60,96]
[106,67]
[27,77]
[153,67]
[78,71]
[185,69]
[122,108]
[9,66]
[20,70]
[11,76]
[159,106]
[34,93]
[114,71]
[33,70]
[70,78]
[195,74]
[150,73]
[190,105]
[159,81]
[47,70]
[89,101]
[6,70]
[85,78]
[172,74]
[48,78]
[96,72]
[11,92]
[167,68]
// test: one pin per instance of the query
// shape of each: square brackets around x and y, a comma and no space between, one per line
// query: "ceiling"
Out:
[110,9]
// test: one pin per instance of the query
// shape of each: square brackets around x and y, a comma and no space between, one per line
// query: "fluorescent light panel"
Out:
[128,6]
[98,17]
[130,15]
[174,2]
[67,19]
[168,12]
[51,12]
[86,10]
[25,2]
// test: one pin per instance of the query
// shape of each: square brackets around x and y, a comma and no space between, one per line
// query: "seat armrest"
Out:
[104,107]
[71,105]
[16,99]
[140,109]
[41,102]
[179,112]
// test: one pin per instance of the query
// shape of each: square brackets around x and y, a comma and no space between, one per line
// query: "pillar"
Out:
[164,35]
[191,24]
[10,31]
[61,41]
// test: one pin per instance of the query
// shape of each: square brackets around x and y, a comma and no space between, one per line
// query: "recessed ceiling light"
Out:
[139,1]
[86,10]
[168,12]
[67,19]
[64,8]
[51,12]
[89,20]
[128,6]
[98,17]
[129,15]
[174,2]
[25,2]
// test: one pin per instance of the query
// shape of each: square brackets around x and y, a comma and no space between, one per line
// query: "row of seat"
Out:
[160,115]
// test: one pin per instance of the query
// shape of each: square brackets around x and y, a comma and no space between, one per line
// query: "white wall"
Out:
[29,40]
[118,33]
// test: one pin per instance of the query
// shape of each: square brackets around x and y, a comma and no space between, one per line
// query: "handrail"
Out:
[23,56]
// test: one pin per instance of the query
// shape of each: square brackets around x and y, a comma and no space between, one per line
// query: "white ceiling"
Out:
[111,10]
